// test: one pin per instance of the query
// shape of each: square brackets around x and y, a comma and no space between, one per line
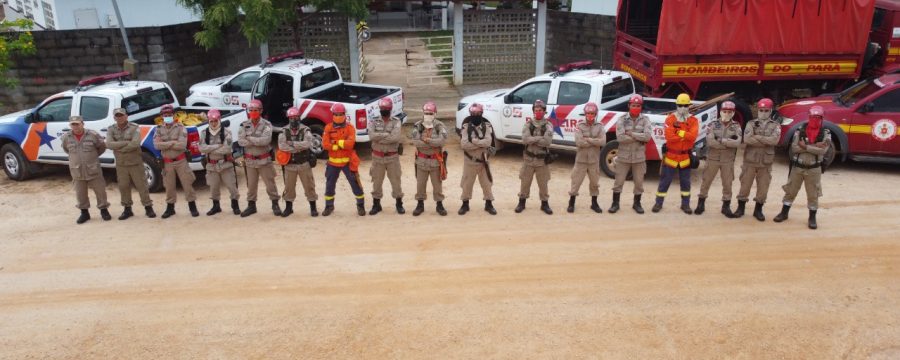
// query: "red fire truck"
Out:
[780,49]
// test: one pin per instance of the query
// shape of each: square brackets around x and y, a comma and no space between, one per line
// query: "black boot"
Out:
[812,220]
[726,209]
[657,207]
[757,212]
[85,216]
[215,209]
[464,208]
[545,207]
[250,209]
[235,207]
[288,209]
[192,206]
[739,212]
[399,205]
[637,204]
[329,208]
[376,207]
[104,214]
[170,210]
[126,213]
[420,208]
[489,207]
[276,210]
[701,206]
[595,206]
[521,206]
[783,215]
[312,209]
[148,210]
[361,208]
[615,204]
[440,209]
[686,205]
[571,207]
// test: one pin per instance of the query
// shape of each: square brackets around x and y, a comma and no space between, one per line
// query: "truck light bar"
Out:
[279,58]
[578,65]
[104,78]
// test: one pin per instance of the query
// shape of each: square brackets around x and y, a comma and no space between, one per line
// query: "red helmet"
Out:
[728,105]
[636,99]
[255,103]
[385,104]
[816,111]
[590,107]
[213,114]
[167,108]
[539,103]
[430,107]
[293,112]
[765,103]
[338,108]
[476,108]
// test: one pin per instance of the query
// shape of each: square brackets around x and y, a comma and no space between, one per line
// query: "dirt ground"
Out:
[524,285]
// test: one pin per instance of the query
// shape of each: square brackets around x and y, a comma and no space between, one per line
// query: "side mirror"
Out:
[226,87]
[29,118]
[507,98]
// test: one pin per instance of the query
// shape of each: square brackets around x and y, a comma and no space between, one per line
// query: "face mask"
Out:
[725,117]
[339,119]
[682,111]
[295,124]
[254,115]
[428,121]
[168,119]
[764,115]
[539,114]
[476,120]
[214,125]
[590,118]
[385,113]
[634,112]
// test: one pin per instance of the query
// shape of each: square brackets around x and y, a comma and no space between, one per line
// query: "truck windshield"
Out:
[858,92]
[146,100]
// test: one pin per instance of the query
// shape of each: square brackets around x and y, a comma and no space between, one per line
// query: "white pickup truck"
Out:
[292,80]
[566,92]
[31,138]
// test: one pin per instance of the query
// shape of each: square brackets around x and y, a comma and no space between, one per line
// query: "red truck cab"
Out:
[863,119]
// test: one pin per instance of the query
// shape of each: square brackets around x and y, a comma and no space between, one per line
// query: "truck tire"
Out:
[15,164]
[153,172]
[317,130]
[607,156]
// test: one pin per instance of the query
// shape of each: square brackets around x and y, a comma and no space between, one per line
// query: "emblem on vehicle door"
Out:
[884,130]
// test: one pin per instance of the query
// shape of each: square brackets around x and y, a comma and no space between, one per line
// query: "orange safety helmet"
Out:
[282,157]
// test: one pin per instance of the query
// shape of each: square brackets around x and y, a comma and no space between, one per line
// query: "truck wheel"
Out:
[153,172]
[15,164]
[317,131]
[607,157]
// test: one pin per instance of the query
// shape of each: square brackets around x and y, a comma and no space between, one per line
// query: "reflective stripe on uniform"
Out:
[660,194]
[329,197]
[360,196]
[685,193]
[339,160]
[682,164]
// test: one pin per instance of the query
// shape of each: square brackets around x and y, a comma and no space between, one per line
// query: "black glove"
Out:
[734,137]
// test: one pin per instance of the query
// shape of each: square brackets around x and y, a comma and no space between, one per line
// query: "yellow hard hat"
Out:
[683,99]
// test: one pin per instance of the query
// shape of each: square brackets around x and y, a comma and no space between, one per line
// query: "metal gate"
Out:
[429,61]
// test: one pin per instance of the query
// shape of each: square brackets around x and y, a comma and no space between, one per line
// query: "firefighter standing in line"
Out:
[216,145]
[429,136]
[339,139]
[476,141]
[723,138]
[84,148]
[171,140]
[255,135]
[296,141]
[384,132]
[537,135]
[761,136]
[808,148]
[590,136]
[632,134]
[681,132]
[124,139]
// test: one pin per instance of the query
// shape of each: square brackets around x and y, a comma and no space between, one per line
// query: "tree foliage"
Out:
[258,19]
[15,39]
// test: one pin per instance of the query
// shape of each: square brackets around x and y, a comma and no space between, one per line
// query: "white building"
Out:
[93,14]
[42,12]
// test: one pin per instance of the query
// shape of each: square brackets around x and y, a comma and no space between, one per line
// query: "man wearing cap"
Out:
[339,139]
[296,140]
[590,136]
[429,136]
[760,136]
[255,135]
[84,148]
[476,141]
[537,135]
[723,138]
[808,148]
[632,134]
[215,143]
[681,131]
[384,132]
[170,139]
[124,139]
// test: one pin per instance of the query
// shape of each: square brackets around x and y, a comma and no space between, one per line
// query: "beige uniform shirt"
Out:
[537,135]
[84,154]
[125,144]
[632,147]
[589,139]
[256,140]
[385,136]
[216,149]
[482,139]
[170,140]
[435,143]
[723,141]
[761,137]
